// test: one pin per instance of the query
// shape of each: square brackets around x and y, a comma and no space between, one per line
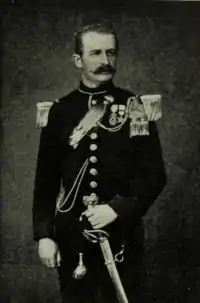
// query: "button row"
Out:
[93,159]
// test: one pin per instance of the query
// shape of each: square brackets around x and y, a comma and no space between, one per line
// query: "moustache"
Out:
[105,69]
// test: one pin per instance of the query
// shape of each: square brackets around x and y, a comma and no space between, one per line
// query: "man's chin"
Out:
[105,77]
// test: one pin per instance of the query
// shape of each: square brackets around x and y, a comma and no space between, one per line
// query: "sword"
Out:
[112,269]
[102,237]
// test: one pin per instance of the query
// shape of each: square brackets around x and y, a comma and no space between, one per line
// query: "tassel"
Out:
[139,128]
[43,113]
[80,270]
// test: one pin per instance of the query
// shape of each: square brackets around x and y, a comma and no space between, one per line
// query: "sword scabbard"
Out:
[112,269]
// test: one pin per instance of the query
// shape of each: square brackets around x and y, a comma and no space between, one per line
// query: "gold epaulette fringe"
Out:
[43,109]
[139,128]
[143,109]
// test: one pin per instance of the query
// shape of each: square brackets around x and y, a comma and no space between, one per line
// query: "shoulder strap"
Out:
[92,117]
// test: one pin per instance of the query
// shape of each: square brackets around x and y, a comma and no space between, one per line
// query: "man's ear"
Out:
[77,60]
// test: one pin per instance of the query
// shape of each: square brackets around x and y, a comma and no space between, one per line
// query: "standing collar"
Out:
[102,89]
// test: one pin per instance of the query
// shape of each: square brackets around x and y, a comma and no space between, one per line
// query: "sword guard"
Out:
[95,235]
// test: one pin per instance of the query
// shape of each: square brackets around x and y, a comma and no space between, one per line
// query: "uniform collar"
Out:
[102,89]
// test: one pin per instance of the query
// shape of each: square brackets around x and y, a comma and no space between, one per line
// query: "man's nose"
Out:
[104,58]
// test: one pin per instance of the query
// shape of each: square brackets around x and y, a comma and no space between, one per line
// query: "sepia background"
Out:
[159,53]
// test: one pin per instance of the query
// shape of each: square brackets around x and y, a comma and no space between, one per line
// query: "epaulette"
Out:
[152,106]
[43,108]
[142,109]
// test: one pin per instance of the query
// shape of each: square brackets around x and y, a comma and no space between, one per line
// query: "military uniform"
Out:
[125,171]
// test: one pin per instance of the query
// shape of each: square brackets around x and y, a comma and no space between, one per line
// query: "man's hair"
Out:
[101,27]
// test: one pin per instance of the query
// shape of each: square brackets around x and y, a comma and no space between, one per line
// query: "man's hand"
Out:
[49,253]
[100,215]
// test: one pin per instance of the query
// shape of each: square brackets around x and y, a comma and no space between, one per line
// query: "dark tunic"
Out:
[129,176]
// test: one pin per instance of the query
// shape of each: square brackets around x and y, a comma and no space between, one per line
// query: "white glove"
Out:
[100,215]
[49,253]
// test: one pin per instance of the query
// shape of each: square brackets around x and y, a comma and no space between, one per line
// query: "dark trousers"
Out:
[96,286]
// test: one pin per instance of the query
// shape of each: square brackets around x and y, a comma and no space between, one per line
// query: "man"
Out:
[99,144]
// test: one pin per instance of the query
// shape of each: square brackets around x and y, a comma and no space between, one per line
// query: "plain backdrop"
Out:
[159,53]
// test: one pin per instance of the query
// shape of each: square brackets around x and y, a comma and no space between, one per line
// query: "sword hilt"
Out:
[90,200]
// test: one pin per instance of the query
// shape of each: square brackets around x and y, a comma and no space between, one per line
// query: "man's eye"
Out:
[97,52]
[111,53]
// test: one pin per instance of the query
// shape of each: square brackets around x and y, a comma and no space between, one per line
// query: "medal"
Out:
[121,112]
[118,114]
[113,117]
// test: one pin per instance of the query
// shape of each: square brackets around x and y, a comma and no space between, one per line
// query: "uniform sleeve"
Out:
[47,178]
[146,178]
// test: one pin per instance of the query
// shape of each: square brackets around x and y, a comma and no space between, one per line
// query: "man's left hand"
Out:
[100,215]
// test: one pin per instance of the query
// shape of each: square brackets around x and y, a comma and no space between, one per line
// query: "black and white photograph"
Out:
[100,151]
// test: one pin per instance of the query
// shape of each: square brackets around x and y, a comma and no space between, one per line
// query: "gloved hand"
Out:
[49,252]
[100,215]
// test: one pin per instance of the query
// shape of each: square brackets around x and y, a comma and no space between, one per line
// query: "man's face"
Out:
[99,56]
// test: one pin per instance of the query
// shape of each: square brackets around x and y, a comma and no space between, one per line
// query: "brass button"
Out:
[93,147]
[93,136]
[93,159]
[93,184]
[93,171]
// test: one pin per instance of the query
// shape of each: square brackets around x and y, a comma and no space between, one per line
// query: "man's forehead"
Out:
[94,40]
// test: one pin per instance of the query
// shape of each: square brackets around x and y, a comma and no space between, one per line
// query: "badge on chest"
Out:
[118,114]
[115,116]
